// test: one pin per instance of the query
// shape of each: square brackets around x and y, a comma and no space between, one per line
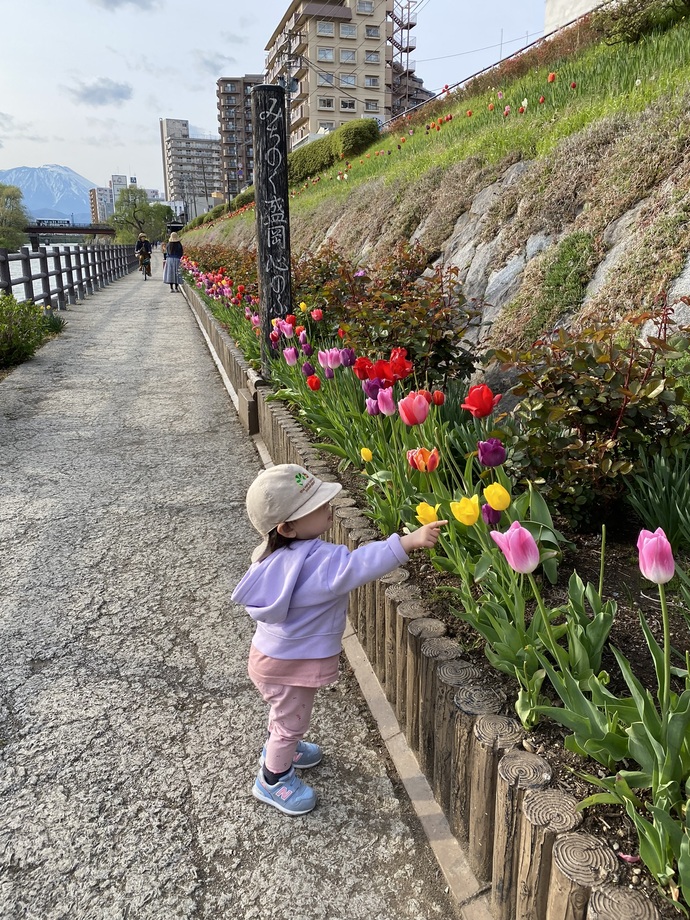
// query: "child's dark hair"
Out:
[276,541]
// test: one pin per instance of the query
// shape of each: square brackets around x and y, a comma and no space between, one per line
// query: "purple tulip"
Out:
[290,355]
[303,338]
[386,401]
[491,452]
[519,547]
[323,358]
[308,350]
[371,387]
[307,369]
[490,515]
[656,556]
[373,407]
[347,357]
[328,373]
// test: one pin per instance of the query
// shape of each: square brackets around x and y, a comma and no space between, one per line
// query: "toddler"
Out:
[296,589]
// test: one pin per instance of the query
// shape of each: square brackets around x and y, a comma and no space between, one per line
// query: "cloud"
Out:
[103,132]
[18,130]
[102,91]
[217,65]
[112,5]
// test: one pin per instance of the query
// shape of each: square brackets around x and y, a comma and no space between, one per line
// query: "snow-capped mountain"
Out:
[52,191]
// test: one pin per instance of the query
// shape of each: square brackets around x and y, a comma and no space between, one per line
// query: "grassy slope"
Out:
[617,139]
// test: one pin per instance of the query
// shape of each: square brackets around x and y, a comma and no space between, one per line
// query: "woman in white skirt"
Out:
[171,269]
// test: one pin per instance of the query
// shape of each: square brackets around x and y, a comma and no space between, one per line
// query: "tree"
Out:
[134,215]
[13,218]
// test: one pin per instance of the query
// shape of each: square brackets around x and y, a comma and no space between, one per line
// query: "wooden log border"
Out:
[548,871]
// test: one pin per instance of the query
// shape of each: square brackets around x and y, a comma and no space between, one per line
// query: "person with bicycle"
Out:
[143,250]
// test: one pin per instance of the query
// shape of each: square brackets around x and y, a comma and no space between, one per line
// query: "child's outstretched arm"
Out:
[423,538]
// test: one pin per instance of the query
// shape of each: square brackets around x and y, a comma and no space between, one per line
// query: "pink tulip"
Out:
[290,355]
[656,556]
[386,402]
[519,547]
[413,409]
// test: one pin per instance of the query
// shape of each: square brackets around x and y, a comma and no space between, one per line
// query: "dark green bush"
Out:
[244,198]
[310,160]
[354,137]
[22,330]
[630,21]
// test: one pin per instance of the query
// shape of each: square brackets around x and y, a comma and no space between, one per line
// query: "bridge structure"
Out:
[38,231]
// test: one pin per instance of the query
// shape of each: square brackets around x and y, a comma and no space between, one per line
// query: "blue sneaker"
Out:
[306,755]
[290,795]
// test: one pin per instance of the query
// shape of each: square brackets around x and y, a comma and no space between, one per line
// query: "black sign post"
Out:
[272,211]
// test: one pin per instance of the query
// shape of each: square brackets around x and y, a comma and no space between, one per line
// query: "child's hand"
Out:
[423,538]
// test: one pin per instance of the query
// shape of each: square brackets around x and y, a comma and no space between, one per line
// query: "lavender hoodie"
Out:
[298,594]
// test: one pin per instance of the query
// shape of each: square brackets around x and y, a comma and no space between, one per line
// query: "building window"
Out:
[347,105]
[348,57]
[372,57]
[348,30]
[326,125]
[372,32]
[372,82]
[371,105]
[365,6]
[326,102]
[325,54]
[348,79]
[325,28]
[325,79]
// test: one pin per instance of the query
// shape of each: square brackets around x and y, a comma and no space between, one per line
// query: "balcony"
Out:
[298,43]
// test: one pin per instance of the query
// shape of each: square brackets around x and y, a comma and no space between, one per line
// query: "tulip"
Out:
[313,382]
[361,368]
[347,357]
[290,355]
[438,398]
[256,319]
[422,459]
[519,547]
[371,388]
[466,510]
[291,319]
[329,373]
[656,556]
[333,358]
[491,106]
[373,407]
[303,339]
[323,358]
[426,394]
[491,452]
[573,85]
[480,401]
[366,454]
[490,516]
[413,409]
[542,100]
[497,496]
[317,315]
[426,513]
[307,350]
[386,401]
[303,307]
[551,77]
[307,369]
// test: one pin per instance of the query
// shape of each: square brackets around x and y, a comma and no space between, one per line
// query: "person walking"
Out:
[171,268]
[143,250]
[297,591]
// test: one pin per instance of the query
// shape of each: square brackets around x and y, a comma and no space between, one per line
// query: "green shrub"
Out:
[21,330]
[310,160]
[630,21]
[587,405]
[354,137]
[244,198]
[659,492]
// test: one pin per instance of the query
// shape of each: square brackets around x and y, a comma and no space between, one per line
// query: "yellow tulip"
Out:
[426,513]
[303,307]
[497,497]
[366,454]
[466,510]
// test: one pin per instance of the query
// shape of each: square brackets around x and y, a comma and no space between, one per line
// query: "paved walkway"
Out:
[129,731]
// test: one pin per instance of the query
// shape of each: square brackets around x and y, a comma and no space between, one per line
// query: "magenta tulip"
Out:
[386,401]
[519,547]
[656,556]
[413,409]
[290,355]
[373,407]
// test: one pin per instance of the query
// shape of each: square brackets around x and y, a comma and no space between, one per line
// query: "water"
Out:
[17,269]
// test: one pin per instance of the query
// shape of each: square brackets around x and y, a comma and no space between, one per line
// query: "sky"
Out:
[83,83]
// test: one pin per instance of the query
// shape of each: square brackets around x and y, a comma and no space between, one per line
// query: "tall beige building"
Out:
[335,59]
[235,128]
[191,168]
[560,12]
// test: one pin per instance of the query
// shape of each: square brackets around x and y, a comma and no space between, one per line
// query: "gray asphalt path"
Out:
[129,731]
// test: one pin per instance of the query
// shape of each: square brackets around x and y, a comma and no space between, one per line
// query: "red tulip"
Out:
[469,113]
[422,459]
[542,99]
[313,382]
[491,106]
[573,85]
[551,78]
[317,315]
[438,398]
[426,394]
[291,318]
[361,368]
[481,401]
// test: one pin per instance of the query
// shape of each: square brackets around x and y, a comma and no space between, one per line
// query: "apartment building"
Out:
[235,129]
[100,204]
[191,168]
[335,60]
[560,12]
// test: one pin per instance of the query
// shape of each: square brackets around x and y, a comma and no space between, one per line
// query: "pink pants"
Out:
[288,721]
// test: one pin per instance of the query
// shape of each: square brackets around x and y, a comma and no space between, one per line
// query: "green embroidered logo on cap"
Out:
[301,478]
